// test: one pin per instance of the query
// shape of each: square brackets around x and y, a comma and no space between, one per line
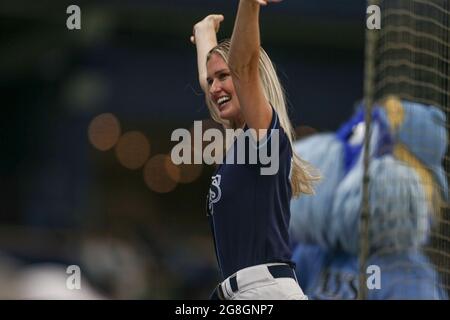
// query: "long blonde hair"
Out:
[303,174]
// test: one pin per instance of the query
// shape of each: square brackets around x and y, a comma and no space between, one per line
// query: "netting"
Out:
[407,63]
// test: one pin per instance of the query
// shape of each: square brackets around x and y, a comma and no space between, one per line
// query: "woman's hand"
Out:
[266,2]
[210,23]
[204,38]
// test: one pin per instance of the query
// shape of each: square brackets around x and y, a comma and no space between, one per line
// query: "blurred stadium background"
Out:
[86,125]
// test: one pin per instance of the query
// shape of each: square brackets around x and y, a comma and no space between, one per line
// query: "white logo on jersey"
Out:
[214,192]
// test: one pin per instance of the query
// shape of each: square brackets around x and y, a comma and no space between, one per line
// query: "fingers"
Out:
[215,20]
[266,2]
[219,17]
[210,22]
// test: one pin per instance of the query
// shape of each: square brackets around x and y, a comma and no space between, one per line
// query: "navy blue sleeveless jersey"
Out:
[249,212]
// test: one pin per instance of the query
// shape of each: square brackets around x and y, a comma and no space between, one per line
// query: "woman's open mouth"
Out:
[222,102]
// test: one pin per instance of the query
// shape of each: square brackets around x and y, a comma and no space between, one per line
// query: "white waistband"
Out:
[249,276]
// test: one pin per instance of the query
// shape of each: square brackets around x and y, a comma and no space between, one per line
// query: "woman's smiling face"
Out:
[221,88]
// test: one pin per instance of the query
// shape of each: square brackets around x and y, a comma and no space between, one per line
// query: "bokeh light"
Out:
[171,169]
[190,172]
[104,131]
[85,91]
[158,173]
[133,150]
[183,173]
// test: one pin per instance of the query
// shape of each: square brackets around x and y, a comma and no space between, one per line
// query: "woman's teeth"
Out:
[223,100]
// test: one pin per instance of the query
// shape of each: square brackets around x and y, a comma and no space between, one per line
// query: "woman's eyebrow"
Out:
[219,71]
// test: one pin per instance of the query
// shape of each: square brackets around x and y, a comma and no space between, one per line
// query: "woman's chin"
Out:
[225,114]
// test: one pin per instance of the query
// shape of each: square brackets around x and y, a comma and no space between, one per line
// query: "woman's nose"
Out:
[215,87]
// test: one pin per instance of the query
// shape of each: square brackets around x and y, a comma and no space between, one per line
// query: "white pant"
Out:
[257,283]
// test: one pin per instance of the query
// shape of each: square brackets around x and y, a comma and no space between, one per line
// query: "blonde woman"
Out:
[249,212]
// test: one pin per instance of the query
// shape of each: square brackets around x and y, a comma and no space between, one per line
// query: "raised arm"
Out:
[205,38]
[244,62]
